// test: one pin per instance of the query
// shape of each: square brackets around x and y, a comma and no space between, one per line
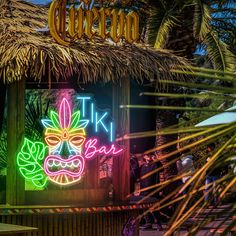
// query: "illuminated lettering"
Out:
[91,150]
[132,22]
[69,25]
[92,112]
[83,103]
[91,17]
[103,13]
[117,25]
[111,132]
[100,121]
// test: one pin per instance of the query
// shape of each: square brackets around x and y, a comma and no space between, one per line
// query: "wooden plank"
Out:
[50,225]
[55,225]
[121,169]
[10,229]
[74,231]
[60,233]
[70,225]
[15,136]
[79,222]
[65,225]
[2,102]
[45,225]
[64,197]
[34,224]
[40,224]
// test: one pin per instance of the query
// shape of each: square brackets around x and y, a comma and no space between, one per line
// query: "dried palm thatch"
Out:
[25,52]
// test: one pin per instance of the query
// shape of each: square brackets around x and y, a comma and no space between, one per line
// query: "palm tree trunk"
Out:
[183,43]
[165,119]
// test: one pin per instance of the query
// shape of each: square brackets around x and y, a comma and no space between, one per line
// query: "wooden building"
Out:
[30,58]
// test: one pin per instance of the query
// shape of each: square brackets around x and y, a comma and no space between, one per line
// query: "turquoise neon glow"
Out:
[111,132]
[83,103]
[100,121]
[92,112]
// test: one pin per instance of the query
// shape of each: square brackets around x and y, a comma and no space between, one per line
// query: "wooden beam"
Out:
[2,102]
[15,135]
[121,164]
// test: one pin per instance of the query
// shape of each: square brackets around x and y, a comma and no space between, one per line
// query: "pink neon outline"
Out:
[91,144]
[65,114]
[63,171]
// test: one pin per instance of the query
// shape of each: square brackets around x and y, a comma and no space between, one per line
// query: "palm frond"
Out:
[161,22]
[218,52]
[35,111]
[202,19]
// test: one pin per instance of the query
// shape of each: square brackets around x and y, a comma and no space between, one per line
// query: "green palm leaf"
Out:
[219,53]
[202,19]
[161,22]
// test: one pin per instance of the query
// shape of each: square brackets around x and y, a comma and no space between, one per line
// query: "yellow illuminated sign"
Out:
[69,23]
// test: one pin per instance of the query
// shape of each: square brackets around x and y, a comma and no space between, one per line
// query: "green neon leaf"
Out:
[75,119]
[30,162]
[55,119]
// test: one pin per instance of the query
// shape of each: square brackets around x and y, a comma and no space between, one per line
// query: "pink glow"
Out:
[65,114]
[75,161]
[91,149]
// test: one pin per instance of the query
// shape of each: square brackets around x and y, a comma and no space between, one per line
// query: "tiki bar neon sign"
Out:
[86,21]
[62,160]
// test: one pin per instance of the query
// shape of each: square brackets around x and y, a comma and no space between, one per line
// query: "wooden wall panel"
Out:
[15,137]
[89,224]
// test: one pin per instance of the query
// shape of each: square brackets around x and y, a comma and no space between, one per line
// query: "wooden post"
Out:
[15,192]
[2,102]
[121,164]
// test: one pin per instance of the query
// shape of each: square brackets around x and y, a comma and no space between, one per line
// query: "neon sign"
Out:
[69,25]
[62,160]
[98,120]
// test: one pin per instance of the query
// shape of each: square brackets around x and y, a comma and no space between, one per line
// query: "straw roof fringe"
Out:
[24,52]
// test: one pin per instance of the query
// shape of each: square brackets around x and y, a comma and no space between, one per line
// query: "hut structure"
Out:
[30,57]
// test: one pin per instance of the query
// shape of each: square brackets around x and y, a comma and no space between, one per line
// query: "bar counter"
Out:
[101,220]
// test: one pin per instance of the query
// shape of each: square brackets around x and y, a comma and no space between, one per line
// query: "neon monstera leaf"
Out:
[30,161]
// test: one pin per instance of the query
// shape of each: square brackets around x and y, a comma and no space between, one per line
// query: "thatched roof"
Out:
[24,52]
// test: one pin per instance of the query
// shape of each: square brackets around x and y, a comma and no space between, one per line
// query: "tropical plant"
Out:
[35,111]
[195,139]
[181,26]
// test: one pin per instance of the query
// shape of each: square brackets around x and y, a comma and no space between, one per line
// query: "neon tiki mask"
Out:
[64,135]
